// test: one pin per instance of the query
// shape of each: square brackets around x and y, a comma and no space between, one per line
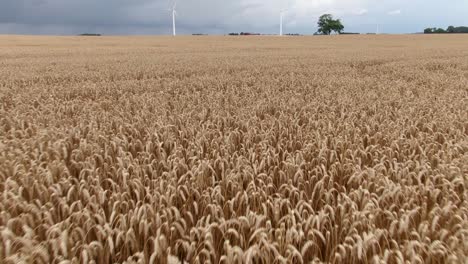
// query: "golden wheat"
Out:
[349,149]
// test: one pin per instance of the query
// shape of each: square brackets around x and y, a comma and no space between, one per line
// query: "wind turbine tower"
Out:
[281,21]
[173,18]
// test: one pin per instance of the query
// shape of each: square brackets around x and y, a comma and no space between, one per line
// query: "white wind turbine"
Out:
[281,20]
[173,18]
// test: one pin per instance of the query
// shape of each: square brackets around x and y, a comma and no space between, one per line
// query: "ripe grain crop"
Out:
[343,149]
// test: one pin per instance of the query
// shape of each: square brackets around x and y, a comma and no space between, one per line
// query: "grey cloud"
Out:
[69,12]
[117,15]
[214,16]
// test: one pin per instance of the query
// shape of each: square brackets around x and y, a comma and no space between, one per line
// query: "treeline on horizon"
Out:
[90,35]
[450,29]
[259,34]
[244,34]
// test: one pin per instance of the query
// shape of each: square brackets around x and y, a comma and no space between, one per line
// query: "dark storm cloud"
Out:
[83,12]
[219,16]
[116,15]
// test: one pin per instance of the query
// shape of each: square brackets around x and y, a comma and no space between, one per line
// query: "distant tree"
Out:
[428,31]
[450,30]
[326,25]
[461,30]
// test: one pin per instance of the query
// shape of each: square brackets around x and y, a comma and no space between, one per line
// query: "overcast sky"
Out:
[142,17]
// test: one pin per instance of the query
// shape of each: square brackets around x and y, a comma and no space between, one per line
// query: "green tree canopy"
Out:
[326,25]
[451,29]
[428,30]
[461,30]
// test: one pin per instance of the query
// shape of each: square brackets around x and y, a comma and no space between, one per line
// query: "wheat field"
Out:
[341,149]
